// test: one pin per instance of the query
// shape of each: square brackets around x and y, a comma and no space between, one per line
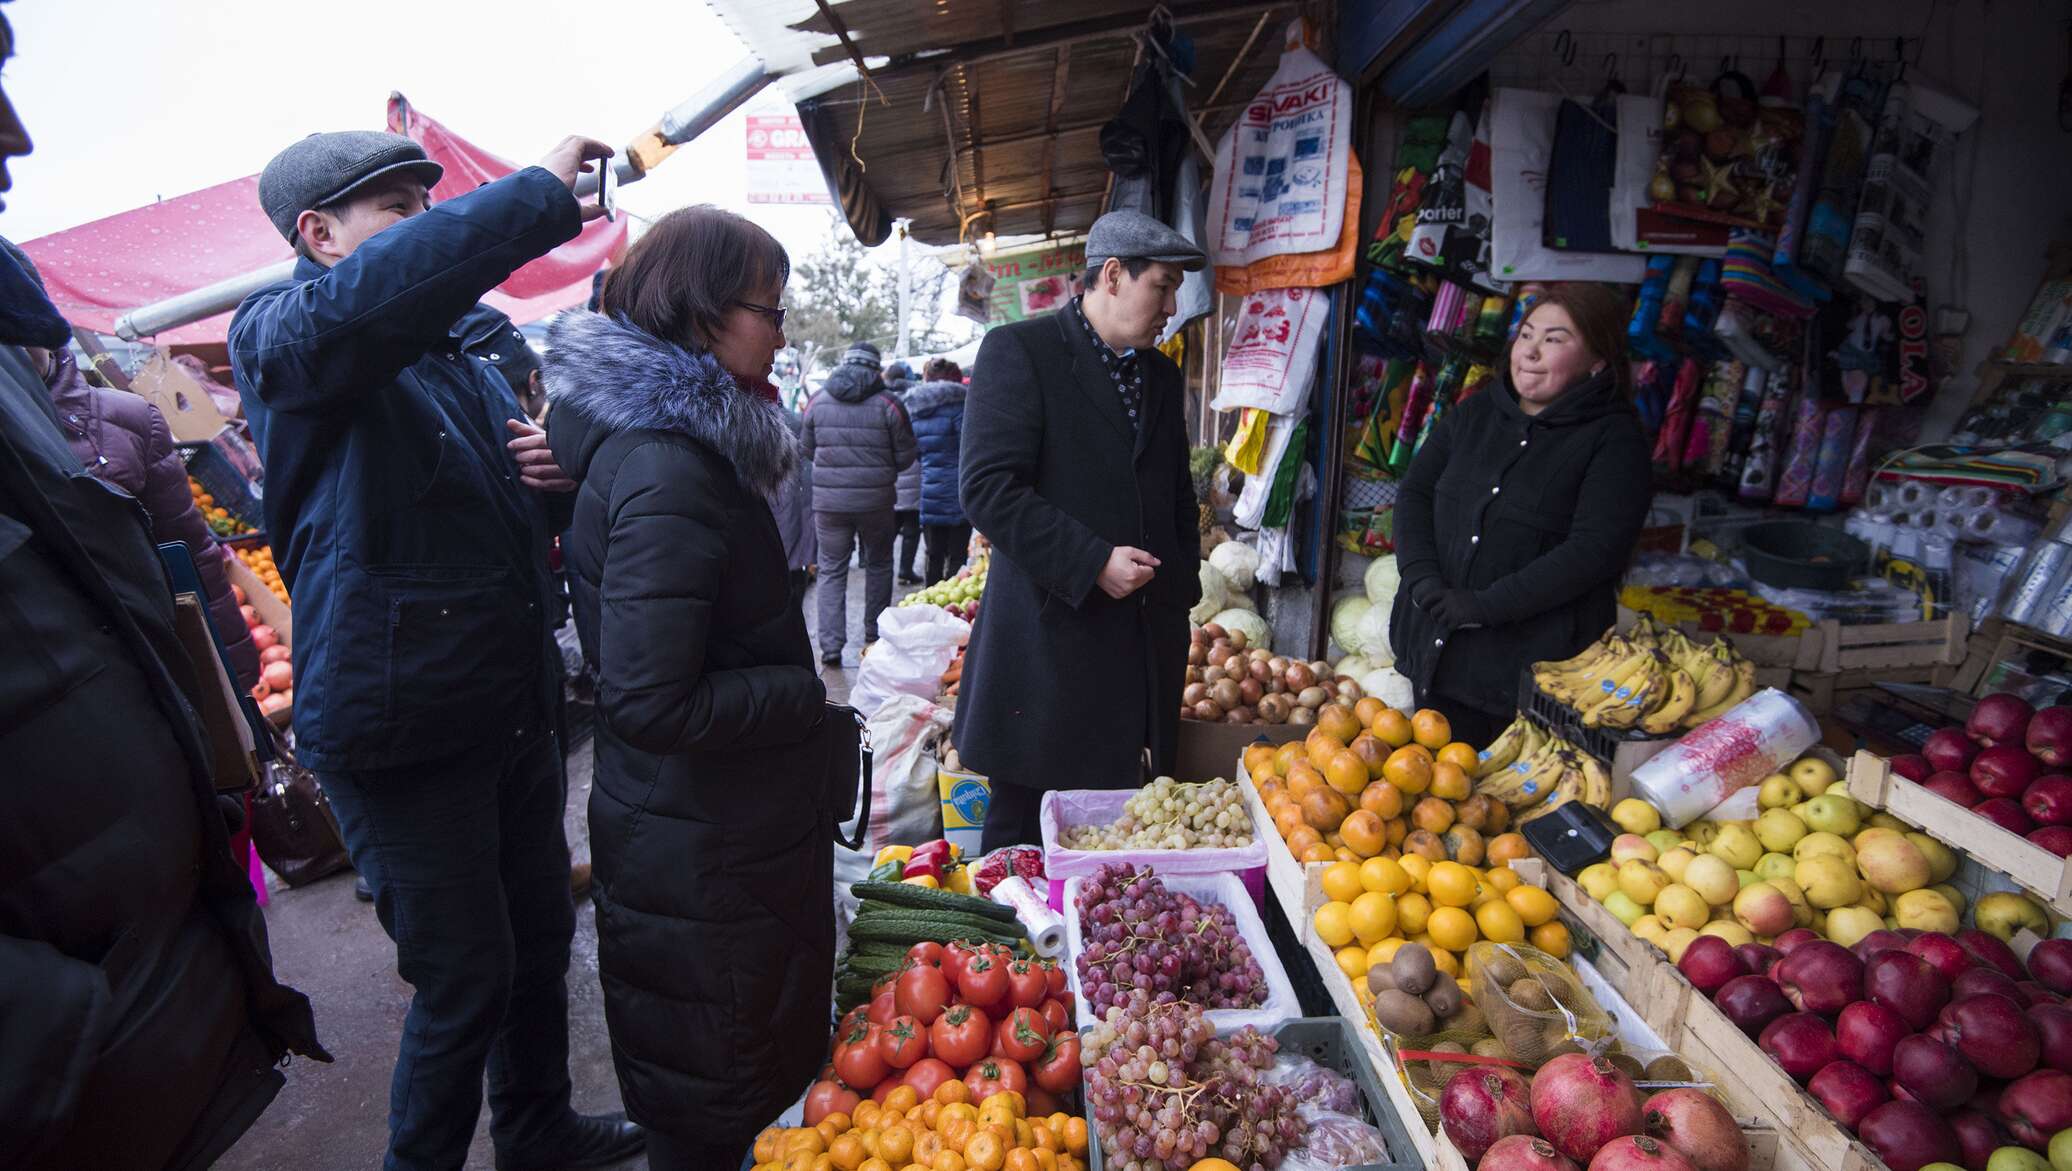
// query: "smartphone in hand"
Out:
[608,188]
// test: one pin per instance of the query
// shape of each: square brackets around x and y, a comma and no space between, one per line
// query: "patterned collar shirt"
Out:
[1124,369]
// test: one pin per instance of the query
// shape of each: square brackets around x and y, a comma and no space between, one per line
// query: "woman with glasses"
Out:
[712,843]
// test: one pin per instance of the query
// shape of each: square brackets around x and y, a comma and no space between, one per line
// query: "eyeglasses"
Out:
[775,315]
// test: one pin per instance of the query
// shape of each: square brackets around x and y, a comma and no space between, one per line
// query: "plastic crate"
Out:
[221,479]
[1329,1042]
[1562,720]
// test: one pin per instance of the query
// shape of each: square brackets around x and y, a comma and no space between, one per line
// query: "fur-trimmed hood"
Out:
[617,377]
[930,397]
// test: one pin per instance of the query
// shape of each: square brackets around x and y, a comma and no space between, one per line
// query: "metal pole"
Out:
[904,287]
[206,301]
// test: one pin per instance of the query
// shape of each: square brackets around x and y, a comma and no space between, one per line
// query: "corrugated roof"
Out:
[1001,100]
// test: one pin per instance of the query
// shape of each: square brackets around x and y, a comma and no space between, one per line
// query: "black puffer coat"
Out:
[712,842]
[1537,516]
[859,439]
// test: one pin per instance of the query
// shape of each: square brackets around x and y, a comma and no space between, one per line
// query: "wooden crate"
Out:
[1285,877]
[1997,642]
[272,611]
[1986,845]
[1851,657]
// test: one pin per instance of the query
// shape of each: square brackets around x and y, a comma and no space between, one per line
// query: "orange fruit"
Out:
[1346,772]
[1451,928]
[1450,781]
[1318,853]
[1398,828]
[1418,867]
[1461,754]
[1535,907]
[1393,727]
[1304,780]
[1432,814]
[1505,849]
[1372,752]
[1321,745]
[1366,709]
[1344,854]
[1338,723]
[1430,729]
[896,1145]
[1382,799]
[1324,809]
[1287,754]
[1551,938]
[1504,879]
[903,1099]
[1446,961]
[1365,833]
[1463,845]
[1425,843]
[1352,960]
[1075,1136]
[1302,839]
[1288,819]
[1372,918]
[1260,762]
[1499,922]
[1385,875]
[949,1161]
[1413,911]
[1409,769]
[846,1152]
[985,1152]
[1450,884]
[1272,789]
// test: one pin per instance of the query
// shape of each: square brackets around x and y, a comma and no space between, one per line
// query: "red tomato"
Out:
[926,1074]
[886,981]
[882,1008]
[960,1035]
[927,952]
[903,1042]
[829,1097]
[1027,986]
[1056,1015]
[984,982]
[1054,976]
[993,1075]
[857,1060]
[1058,1069]
[1023,1035]
[921,993]
[955,956]
[860,1012]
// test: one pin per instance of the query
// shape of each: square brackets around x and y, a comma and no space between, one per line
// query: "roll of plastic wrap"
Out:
[1913,494]
[1760,735]
[1994,527]
[1046,927]
[1878,497]
[1966,496]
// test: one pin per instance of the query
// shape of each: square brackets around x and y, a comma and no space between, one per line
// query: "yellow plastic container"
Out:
[965,798]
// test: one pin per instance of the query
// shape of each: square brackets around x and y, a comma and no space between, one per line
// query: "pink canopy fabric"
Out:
[98,271]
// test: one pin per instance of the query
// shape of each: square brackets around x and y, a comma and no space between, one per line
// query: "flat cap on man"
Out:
[1132,235]
[324,168]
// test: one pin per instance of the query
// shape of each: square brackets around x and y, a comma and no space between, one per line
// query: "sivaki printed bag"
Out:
[1281,169]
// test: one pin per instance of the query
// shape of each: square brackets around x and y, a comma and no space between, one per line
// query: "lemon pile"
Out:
[1375,906]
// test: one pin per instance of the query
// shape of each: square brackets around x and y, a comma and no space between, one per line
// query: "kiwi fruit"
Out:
[1444,997]
[1488,1047]
[1380,978]
[1668,1068]
[1628,1063]
[1403,1014]
[1444,1071]
[1501,969]
[1530,994]
[1470,1020]
[1413,969]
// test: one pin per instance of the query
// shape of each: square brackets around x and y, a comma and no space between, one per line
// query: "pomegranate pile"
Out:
[1583,1111]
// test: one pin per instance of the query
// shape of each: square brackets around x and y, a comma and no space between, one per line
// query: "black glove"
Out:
[1425,592]
[1456,608]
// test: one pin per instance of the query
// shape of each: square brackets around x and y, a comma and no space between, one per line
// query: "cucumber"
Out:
[874,966]
[922,898]
[940,921]
[912,933]
[876,949]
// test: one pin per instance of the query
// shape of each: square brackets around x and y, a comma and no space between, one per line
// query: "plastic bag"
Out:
[908,735]
[1313,1086]
[1533,1002]
[1332,1140]
[1280,1005]
[915,646]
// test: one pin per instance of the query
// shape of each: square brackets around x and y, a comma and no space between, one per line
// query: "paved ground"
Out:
[328,944]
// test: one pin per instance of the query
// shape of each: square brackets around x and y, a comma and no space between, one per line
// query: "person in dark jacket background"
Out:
[906,493]
[121,439]
[1519,514]
[144,1026]
[713,843]
[859,440]
[1074,464]
[937,409]
[409,506]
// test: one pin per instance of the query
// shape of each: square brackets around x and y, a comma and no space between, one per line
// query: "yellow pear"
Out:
[1636,816]
[1713,879]
[1817,843]
[1737,844]
[1828,882]
[1728,930]
[1600,880]
[1674,861]
[1942,861]
[1847,925]
[1642,881]
[1779,792]
[1680,906]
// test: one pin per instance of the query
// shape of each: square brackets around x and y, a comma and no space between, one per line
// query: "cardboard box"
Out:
[189,411]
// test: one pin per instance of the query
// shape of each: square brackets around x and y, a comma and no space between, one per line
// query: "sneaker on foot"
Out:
[831,659]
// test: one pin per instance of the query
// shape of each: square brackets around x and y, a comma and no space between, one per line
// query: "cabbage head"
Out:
[1252,624]
[1390,687]
[1214,591]
[1354,666]
[1346,613]
[1237,562]
[1373,633]
[1381,581]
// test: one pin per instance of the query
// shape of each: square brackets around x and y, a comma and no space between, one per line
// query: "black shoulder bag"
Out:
[848,771]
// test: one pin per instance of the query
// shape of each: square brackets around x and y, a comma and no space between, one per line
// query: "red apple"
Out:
[2037,1107]
[1821,976]
[1991,1032]
[1908,1136]
[1865,1034]
[2048,799]
[1978,1134]
[1877,941]
[1910,986]
[1949,748]
[2034,993]
[2050,736]
[1802,1044]
[1794,937]
[1758,956]
[1988,949]
[1912,765]
[2053,1025]
[1933,1071]
[1981,981]
[1999,719]
[1952,785]
[1943,951]
[1709,962]
[1752,1002]
[1849,1091]
[2005,812]
[2050,962]
[2055,838]
[2005,770]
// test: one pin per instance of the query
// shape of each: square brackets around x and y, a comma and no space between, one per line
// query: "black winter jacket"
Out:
[712,843]
[1536,515]
[859,439]
[937,409]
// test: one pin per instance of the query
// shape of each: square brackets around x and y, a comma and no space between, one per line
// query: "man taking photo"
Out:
[416,545]
[1074,464]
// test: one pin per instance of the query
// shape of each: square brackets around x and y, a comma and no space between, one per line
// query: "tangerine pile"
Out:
[944,1132]
[260,562]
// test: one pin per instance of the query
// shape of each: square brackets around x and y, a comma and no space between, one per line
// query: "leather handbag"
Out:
[847,742]
[292,825]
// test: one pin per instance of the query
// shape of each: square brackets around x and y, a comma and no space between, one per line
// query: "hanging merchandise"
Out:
[1280,171]
[1647,309]
[1423,138]
[1831,465]
[1246,450]
[1197,295]
[1858,477]
[1891,227]
[1145,141]
[1391,314]
[1252,499]
[1273,350]
[1861,351]
[1748,333]
[1742,431]
[1635,224]
[1825,249]
[1582,167]
[975,292]
[1453,220]
[1749,278]
[1705,453]
[1313,270]
[1417,402]
[1679,419]
[1766,442]
[1521,141]
[1820,131]
[1728,156]
[1802,451]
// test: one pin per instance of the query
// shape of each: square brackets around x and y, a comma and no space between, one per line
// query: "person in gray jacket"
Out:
[859,439]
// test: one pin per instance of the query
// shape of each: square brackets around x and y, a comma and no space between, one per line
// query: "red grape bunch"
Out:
[1143,943]
[1166,1092]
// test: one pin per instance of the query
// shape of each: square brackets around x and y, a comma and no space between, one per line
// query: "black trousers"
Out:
[1471,725]
[909,522]
[1012,817]
[946,545]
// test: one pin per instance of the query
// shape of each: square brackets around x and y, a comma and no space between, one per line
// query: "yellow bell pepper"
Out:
[889,853]
[927,880]
[959,880]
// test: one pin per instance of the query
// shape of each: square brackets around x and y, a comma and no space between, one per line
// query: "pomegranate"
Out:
[1932,1072]
[264,636]
[279,676]
[1866,1032]
[1523,1153]
[1991,1032]
[1908,1136]
[275,654]
[1908,985]
[1944,953]
[1913,766]
[1698,1127]
[1978,1134]
[1484,1104]
[2037,1106]
[1999,719]
[1989,949]
[1638,1152]
[1709,962]
[2050,736]
[2050,962]
[1800,1042]
[1580,1103]
[1849,1091]
[1952,785]
[1949,748]
[2007,813]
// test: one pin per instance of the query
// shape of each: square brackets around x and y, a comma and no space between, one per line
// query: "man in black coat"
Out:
[1074,464]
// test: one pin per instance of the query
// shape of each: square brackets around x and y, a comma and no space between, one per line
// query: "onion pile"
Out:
[1230,683]
[1167,815]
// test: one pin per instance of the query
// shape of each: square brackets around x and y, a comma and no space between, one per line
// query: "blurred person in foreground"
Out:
[1074,464]
[143,1026]
[713,845]
[411,507]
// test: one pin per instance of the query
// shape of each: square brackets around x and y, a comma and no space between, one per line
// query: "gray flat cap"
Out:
[327,167]
[1132,235]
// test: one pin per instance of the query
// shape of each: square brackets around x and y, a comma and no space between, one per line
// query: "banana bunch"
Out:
[1652,678]
[1534,773]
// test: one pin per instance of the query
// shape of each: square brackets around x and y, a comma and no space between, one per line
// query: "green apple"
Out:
[1801,910]
[1747,878]
[1711,877]
[1738,845]
[1664,840]
[1676,941]
[1650,928]
[1951,895]
[1828,881]
[1675,862]
[1779,830]
[1774,866]
[1942,861]
[1832,814]
[1622,907]
[1702,831]
[1925,910]
[1847,925]
[2004,912]
[1728,930]
[1680,906]
[1824,843]
[2061,1150]
[1813,774]
[1636,816]
[1600,880]
[2017,1159]
[1642,881]
[1779,792]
